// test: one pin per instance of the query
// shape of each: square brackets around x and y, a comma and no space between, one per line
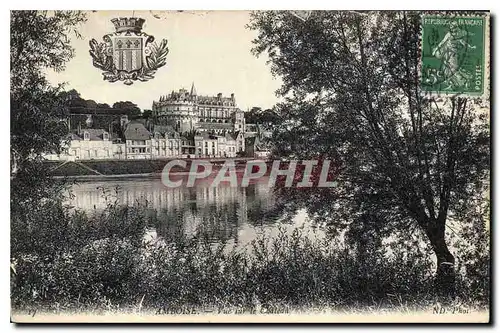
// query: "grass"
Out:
[63,260]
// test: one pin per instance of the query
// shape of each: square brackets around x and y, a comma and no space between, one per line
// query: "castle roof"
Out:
[192,96]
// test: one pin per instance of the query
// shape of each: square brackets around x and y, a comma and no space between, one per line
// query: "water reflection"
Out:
[222,214]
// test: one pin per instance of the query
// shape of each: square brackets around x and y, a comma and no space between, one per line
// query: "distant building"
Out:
[239,137]
[89,144]
[182,125]
[206,145]
[166,143]
[231,147]
[215,146]
[138,141]
[257,147]
[187,111]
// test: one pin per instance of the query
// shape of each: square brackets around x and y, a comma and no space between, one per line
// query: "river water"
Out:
[223,214]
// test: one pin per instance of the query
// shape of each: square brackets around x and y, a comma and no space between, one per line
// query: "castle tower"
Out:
[193,90]
[239,121]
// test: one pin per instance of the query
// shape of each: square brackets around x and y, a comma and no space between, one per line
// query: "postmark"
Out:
[453,55]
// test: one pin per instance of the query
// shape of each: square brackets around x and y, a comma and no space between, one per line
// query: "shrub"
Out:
[64,259]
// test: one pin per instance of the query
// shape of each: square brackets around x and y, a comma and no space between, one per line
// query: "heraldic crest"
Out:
[128,54]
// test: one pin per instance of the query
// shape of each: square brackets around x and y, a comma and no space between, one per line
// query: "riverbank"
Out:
[101,263]
[67,260]
[116,169]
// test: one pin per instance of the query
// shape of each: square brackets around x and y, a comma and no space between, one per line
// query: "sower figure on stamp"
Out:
[449,50]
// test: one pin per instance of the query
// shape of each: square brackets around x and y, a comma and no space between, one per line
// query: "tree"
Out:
[252,116]
[269,118]
[128,108]
[103,106]
[351,93]
[91,104]
[39,41]
[70,95]
[266,117]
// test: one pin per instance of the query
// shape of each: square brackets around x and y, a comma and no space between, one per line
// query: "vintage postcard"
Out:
[250,166]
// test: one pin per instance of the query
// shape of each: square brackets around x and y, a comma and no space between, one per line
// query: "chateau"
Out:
[182,124]
[187,111]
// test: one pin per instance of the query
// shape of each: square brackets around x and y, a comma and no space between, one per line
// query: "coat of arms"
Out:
[128,54]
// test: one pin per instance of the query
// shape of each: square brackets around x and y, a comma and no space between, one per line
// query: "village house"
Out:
[256,147]
[230,145]
[138,141]
[89,144]
[239,137]
[165,142]
[206,145]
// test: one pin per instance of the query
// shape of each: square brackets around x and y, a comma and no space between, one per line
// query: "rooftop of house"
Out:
[230,137]
[136,131]
[74,136]
[205,136]
[94,134]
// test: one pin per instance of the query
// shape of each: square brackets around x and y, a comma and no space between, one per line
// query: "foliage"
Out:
[127,107]
[157,57]
[258,116]
[351,94]
[76,104]
[39,41]
[64,260]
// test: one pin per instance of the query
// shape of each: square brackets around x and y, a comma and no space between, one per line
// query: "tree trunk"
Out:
[445,273]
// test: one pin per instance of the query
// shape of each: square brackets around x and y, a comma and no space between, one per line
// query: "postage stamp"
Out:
[453,55]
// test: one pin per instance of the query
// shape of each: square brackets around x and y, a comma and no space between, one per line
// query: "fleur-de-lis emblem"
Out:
[128,54]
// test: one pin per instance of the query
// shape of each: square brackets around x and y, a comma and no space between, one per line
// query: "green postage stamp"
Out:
[454,54]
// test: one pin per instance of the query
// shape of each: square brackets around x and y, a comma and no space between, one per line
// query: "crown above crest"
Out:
[128,24]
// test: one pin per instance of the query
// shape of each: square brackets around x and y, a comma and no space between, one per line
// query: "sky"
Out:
[211,49]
